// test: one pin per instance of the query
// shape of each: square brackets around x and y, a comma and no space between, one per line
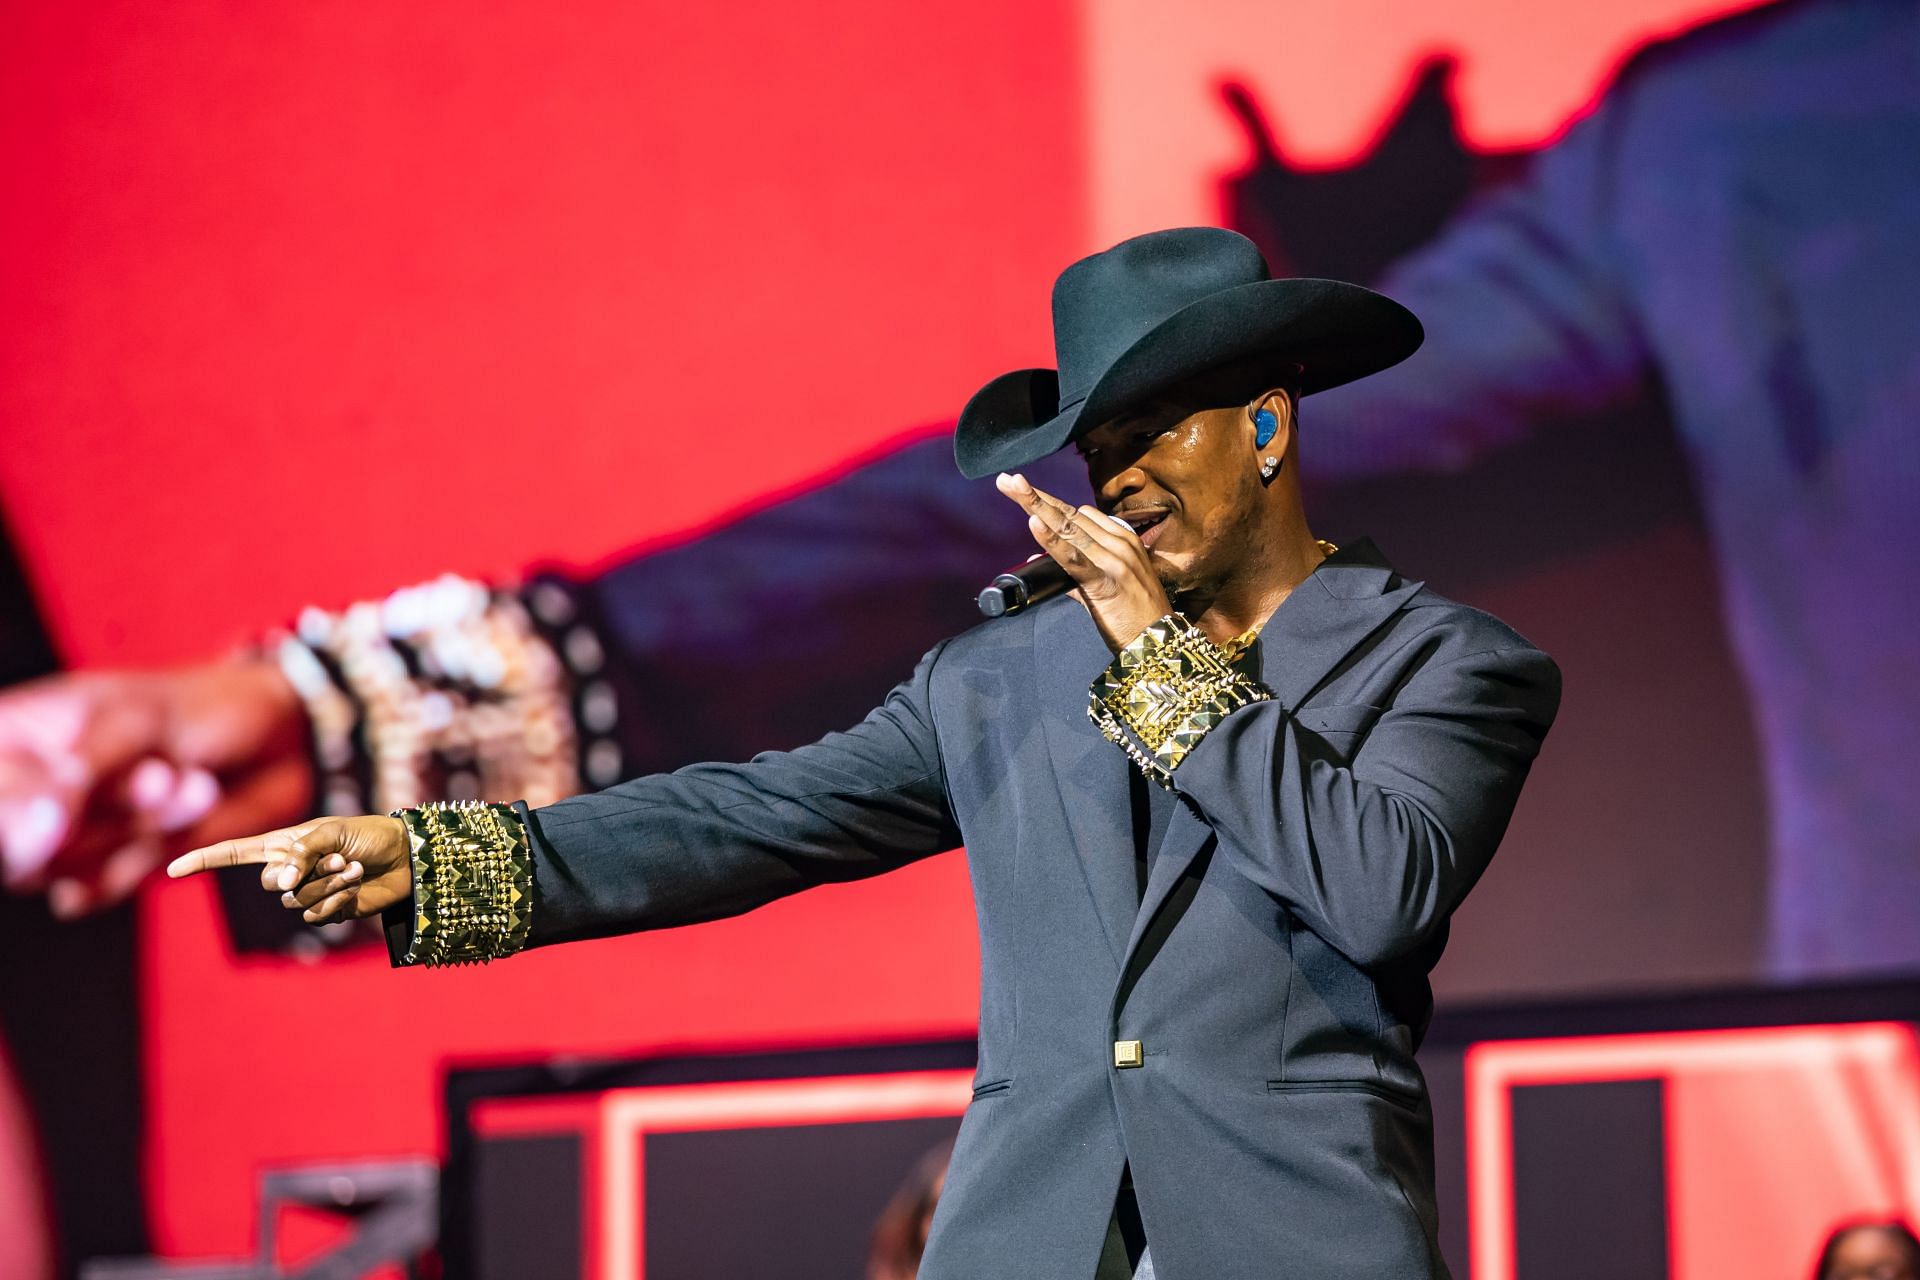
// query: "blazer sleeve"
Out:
[1531,320]
[713,840]
[1373,856]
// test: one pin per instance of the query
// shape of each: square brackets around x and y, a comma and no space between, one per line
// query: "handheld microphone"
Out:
[1024,585]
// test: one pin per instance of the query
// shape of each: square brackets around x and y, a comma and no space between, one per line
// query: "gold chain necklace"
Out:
[1244,641]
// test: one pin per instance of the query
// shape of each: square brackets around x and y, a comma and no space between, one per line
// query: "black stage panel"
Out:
[800,1200]
[1589,1181]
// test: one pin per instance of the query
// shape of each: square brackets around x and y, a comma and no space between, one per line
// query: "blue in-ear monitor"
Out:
[1265,426]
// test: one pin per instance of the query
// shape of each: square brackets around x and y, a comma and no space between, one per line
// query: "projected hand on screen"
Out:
[105,774]
[329,869]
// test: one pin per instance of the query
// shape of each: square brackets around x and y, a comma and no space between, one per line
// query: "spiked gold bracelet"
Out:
[1165,691]
[472,882]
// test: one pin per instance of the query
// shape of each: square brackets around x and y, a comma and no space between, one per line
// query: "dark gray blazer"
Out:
[1276,971]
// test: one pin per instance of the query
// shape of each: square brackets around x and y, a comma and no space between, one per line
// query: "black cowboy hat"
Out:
[1154,311]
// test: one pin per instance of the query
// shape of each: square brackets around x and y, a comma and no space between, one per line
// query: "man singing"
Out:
[1218,807]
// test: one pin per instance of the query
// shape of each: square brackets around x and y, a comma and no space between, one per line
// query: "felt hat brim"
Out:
[1335,331]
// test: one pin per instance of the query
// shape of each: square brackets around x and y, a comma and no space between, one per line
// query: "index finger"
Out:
[274,846]
[1033,499]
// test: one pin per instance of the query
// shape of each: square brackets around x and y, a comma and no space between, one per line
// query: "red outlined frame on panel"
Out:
[1861,1081]
[613,1126]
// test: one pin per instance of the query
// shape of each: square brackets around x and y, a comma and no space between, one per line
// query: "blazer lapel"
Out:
[1340,604]
[1092,772]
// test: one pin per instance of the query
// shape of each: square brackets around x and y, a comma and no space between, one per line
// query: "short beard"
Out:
[1190,592]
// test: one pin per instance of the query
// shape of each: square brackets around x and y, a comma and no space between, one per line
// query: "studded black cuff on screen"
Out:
[446,690]
[567,616]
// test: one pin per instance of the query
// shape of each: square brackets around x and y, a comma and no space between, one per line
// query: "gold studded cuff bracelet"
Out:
[1165,691]
[472,882]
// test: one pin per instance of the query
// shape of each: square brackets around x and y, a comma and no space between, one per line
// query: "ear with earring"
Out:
[1266,424]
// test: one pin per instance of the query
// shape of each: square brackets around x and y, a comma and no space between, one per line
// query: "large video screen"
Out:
[666,314]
